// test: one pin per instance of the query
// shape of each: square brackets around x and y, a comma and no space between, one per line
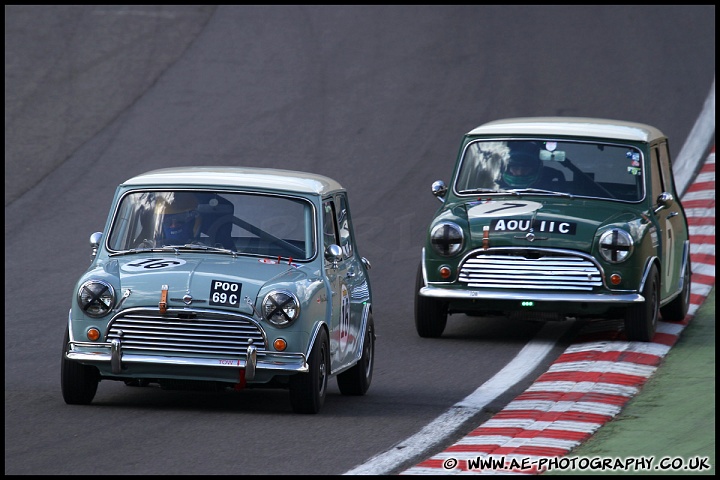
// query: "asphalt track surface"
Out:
[375,96]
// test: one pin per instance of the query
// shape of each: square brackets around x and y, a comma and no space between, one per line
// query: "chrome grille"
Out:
[530,269]
[185,332]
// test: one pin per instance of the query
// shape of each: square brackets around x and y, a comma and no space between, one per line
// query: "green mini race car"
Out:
[222,277]
[556,217]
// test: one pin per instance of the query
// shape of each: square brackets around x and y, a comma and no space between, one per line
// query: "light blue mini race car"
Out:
[224,277]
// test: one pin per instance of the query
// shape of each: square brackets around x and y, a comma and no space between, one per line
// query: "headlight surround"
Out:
[281,308]
[447,238]
[96,298]
[616,245]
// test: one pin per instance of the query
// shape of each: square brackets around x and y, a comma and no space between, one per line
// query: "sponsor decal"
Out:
[271,261]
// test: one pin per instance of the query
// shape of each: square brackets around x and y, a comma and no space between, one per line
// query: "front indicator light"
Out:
[615,279]
[280,344]
[445,271]
[93,334]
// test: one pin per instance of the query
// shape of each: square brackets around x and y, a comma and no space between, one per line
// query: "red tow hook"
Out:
[241,381]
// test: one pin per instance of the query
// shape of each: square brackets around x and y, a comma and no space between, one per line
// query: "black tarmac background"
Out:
[377,97]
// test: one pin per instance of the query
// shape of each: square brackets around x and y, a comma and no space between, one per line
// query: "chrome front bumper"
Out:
[462,294]
[94,353]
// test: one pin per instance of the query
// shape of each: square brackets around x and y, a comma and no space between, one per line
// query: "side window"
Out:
[345,227]
[329,228]
[655,171]
[666,169]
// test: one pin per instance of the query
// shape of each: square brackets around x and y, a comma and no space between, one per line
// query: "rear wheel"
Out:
[356,380]
[79,382]
[430,314]
[641,319]
[307,390]
[676,310]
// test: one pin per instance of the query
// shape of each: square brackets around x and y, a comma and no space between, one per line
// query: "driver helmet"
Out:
[178,216]
[523,169]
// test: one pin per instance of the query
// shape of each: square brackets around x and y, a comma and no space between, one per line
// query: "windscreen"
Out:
[247,223]
[598,170]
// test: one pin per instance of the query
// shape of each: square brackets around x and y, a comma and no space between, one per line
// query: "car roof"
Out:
[574,126]
[241,177]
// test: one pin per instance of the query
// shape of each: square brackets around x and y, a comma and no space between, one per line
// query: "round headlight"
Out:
[280,308]
[616,245]
[96,298]
[446,238]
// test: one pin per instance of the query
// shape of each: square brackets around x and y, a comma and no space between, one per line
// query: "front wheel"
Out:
[430,314]
[356,380]
[641,319]
[79,382]
[307,390]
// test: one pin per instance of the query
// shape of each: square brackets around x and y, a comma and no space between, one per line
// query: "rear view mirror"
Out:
[546,155]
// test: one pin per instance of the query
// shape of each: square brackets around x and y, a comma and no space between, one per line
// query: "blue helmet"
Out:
[180,219]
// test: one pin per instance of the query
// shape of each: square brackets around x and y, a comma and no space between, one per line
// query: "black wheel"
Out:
[356,380]
[677,309]
[307,390]
[641,319]
[430,314]
[79,382]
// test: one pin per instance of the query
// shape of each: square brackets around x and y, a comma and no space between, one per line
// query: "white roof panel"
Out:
[241,177]
[573,126]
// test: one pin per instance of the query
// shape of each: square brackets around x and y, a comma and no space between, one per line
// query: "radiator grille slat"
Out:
[186,332]
[533,271]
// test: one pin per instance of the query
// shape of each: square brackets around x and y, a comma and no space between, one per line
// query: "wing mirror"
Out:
[95,239]
[333,254]
[664,200]
[439,189]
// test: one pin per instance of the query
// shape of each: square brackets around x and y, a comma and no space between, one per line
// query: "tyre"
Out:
[79,382]
[677,309]
[307,390]
[430,314]
[641,319]
[356,380]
